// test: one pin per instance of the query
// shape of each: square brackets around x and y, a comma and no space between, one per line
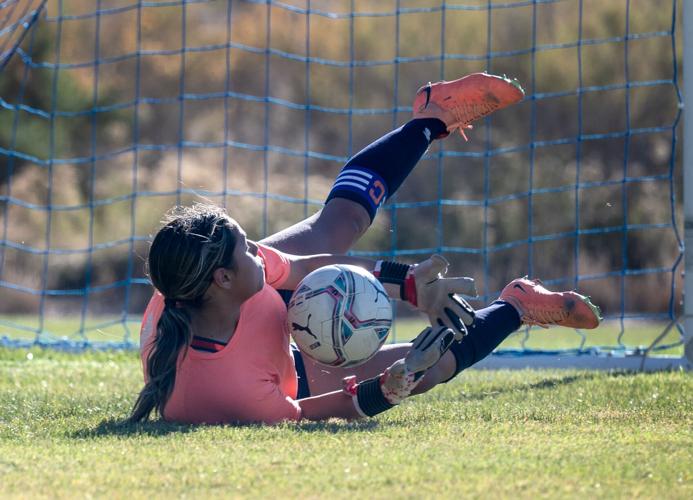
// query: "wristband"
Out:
[367,396]
[408,289]
[387,271]
[370,397]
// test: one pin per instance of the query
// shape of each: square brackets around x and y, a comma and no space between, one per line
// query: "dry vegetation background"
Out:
[146,131]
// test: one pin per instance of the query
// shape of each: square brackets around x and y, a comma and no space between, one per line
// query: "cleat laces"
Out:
[466,113]
[543,318]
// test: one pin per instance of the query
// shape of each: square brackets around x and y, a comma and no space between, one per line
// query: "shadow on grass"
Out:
[336,426]
[112,427]
[550,383]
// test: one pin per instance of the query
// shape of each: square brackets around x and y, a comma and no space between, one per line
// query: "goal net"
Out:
[113,111]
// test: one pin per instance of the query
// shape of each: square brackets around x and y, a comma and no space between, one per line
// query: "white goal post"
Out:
[688,177]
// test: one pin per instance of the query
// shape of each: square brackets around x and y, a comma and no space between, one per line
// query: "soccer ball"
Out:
[339,315]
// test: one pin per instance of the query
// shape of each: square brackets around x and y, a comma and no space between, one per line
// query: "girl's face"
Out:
[248,268]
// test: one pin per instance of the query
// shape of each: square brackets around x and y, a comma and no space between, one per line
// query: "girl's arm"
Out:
[303,265]
[335,404]
[424,285]
[370,397]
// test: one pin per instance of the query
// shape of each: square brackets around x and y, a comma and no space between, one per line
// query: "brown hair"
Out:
[192,244]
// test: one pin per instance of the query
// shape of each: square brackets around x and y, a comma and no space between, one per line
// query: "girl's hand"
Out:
[390,388]
[404,375]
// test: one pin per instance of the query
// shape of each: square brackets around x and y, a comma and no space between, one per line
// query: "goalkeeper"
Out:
[214,339]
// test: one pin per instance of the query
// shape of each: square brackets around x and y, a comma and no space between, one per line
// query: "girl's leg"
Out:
[365,182]
[375,173]
[491,326]
[332,230]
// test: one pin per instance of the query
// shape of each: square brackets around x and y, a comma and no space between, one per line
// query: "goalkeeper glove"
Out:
[395,384]
[426,287]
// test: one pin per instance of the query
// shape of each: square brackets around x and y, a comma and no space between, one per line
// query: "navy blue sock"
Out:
[377,171]
[491,326]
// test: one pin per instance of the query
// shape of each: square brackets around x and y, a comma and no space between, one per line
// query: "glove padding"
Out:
[404,375]
[436,295]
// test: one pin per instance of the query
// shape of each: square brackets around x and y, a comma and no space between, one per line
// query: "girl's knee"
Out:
[344,222]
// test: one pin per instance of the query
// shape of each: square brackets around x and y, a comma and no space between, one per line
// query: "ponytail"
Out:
[173,334]
[184,254]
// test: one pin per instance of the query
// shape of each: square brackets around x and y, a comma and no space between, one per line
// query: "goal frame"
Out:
[640,359]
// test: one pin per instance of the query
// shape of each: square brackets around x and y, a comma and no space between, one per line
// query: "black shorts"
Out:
[303,389]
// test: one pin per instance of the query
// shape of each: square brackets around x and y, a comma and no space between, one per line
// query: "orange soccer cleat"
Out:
[462,101]
[539,306]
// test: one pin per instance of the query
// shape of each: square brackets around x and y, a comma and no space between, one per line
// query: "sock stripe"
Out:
[352,178]
[361,185]
[352,172]
[353,184]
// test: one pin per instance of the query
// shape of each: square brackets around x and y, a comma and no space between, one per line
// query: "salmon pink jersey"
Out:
[253,378]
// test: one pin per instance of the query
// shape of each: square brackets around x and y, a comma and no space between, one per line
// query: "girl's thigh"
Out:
[332,230]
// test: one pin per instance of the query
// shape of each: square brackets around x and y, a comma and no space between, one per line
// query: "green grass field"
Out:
[487,434]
